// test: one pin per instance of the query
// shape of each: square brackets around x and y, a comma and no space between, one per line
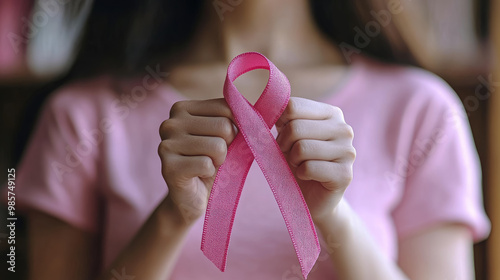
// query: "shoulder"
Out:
[77,104]
[98,97]
[82,95]
[410,99]
[107,104]
[409,85]
[411,105]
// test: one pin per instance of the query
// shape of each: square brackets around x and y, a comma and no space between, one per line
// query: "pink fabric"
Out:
[93,163]
[255,140]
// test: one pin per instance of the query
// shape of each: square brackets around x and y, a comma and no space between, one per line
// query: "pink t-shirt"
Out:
[93,163]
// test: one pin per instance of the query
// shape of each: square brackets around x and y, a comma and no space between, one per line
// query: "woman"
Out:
[97,191]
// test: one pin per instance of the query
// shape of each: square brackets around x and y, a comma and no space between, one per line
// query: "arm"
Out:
[318,145]
[441,252]
[356,255]
[194,142]
[59,251]
[154,250]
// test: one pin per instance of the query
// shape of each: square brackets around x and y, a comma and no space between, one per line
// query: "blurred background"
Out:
[46,43]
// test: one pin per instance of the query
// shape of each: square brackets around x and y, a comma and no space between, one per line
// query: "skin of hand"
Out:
[317,144]
[313,136]
[194,144]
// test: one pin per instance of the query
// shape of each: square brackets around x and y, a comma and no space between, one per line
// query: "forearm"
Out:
[356,255]
[153,252]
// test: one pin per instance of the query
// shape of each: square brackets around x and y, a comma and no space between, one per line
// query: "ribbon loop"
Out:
[255,141]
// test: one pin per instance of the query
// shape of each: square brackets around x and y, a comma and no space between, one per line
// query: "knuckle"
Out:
[300,149]
[163,148]
[295,129]
[168,166]
[345,176]
[206,165]
[306,166]
[226,111]
[220,151]
[351,152]
[349,131]
[286,133]
[178,107]
[169,128]
[336,112]
[225,127]
[220,147]
[292,107]
[304,170]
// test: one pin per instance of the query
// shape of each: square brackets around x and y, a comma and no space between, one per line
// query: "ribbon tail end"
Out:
[307,266]
[219,263]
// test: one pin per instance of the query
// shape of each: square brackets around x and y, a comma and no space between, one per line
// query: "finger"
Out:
[208,108]
[201,126]
[324,130]
[301,108]
[189,145]
[331,174]
[304,150]
[307,129]
[177,167]
[212,126]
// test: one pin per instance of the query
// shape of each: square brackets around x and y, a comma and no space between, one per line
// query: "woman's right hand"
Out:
[194,144]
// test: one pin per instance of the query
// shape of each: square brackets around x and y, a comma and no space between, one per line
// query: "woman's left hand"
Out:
[317,144]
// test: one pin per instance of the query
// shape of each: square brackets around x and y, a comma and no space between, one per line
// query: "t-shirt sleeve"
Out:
[443,182]
[57,174]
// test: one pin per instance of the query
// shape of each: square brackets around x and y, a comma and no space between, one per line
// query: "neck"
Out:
[284,31]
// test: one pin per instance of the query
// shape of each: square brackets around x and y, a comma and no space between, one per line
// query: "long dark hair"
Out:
[123,35]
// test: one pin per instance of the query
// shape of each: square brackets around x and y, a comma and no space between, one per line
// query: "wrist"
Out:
[337,221]
[170,213]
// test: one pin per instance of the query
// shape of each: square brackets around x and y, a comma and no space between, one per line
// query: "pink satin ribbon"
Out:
[255,141]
